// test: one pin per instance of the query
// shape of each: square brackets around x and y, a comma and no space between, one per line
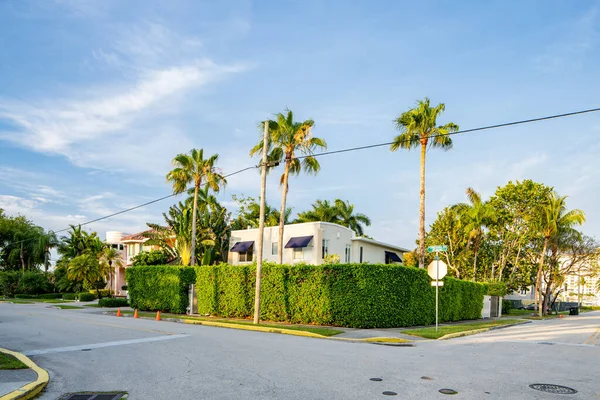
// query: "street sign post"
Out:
[437,270]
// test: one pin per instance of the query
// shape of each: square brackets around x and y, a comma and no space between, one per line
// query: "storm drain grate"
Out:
[94,396]
[549,388]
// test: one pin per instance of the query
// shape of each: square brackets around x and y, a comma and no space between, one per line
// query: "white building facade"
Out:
[310,243]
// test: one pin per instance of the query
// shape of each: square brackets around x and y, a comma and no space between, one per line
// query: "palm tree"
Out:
[86,267]
[348,218]
[178,223]
[109,260]
[322,210]
[554,221]
[476,215]
[286,138]
[193,168]
[46,241]
[418,127]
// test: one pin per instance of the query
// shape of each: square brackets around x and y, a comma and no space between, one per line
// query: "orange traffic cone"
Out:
[158,315]
[119,312]
[135,314]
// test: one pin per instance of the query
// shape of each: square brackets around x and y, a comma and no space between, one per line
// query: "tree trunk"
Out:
[22,258]
[194,210]
[286,174]
[110,277]
[475,267]
[422,207]
[538,280]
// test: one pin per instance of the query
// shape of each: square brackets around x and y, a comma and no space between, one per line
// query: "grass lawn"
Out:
[430,333]
[64,307]
[305,328]
[9,362]
[31,301]
[18,301]
[92,305]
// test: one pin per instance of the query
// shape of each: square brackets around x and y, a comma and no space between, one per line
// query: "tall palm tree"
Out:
[554,221]
[193,168]
[476,215]
[287,138]
[45,243]
[111,259]
[418,127]
[348,218]
[322,210]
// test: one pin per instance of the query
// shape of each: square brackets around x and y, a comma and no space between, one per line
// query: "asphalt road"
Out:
[84,350]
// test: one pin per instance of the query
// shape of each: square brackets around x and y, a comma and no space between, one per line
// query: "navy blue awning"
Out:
[241,247]
[391,256]
[298,242]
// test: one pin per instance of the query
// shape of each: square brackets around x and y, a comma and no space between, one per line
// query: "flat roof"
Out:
[375,242]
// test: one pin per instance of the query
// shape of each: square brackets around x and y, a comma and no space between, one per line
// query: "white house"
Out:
[309,243]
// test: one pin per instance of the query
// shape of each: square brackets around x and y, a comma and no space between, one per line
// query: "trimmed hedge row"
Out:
[51,296]
[113,302]
[69,296]
[159,287]
[26,296]
[85,296]
[352,295]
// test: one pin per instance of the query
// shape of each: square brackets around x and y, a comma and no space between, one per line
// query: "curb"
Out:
[31,389]
[476,331]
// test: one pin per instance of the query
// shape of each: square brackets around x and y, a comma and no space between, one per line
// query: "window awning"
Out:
[390,255]
[241,247]
[298,242]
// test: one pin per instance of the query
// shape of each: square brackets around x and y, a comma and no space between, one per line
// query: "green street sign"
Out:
[435,249]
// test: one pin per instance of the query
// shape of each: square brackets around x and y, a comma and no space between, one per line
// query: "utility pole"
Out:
[261,223]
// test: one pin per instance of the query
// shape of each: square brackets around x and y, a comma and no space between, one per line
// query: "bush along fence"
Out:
[159,288]
[351,295]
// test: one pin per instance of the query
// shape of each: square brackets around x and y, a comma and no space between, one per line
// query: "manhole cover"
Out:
[376,379]
[448,391]
[388,393]
[556,389]
[94,396]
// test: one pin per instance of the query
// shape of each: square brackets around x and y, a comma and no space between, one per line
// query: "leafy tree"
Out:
[553,222]
[287,139]
[450,229]
[249,212]
[88,269]
[418,127]
[34,283]
[61,278]
[45,242]
[9,282]
[153,257]
[193,168]
[339,212]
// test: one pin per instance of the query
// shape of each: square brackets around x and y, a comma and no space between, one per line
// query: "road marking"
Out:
[100,345]
[591,340]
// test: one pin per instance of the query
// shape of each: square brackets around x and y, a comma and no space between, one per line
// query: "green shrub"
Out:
[51,296]
[9,282]
[69,296]
[160,287]
[353,295]
[26,296]
[507,305]
[495,289]
[85,296]
[103,292]
[108,302]
[153,257]
[34,283]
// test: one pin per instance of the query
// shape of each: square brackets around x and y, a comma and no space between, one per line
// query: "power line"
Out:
[483,128]
[520,122]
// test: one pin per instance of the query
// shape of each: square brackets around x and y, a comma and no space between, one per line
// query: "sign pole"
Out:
[437,288]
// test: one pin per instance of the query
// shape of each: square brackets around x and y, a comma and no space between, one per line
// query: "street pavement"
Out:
[84,350]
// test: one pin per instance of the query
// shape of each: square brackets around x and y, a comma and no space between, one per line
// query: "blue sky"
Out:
[96,98]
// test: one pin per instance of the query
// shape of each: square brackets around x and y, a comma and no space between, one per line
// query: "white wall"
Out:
[338,236]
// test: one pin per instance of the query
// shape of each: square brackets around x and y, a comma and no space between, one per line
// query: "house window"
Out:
[298,253]
[361,254]
[347,254]
[325,247]
[247,256]
[274,248]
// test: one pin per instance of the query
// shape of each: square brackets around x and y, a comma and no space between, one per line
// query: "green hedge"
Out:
[26,296]
[352,295]
[85,296]
[159,287]
[103,292]
[51,296]
[113,302]
[495,289]
[69,296]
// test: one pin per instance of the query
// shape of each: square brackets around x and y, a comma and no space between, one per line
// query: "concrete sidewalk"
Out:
[14,379]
